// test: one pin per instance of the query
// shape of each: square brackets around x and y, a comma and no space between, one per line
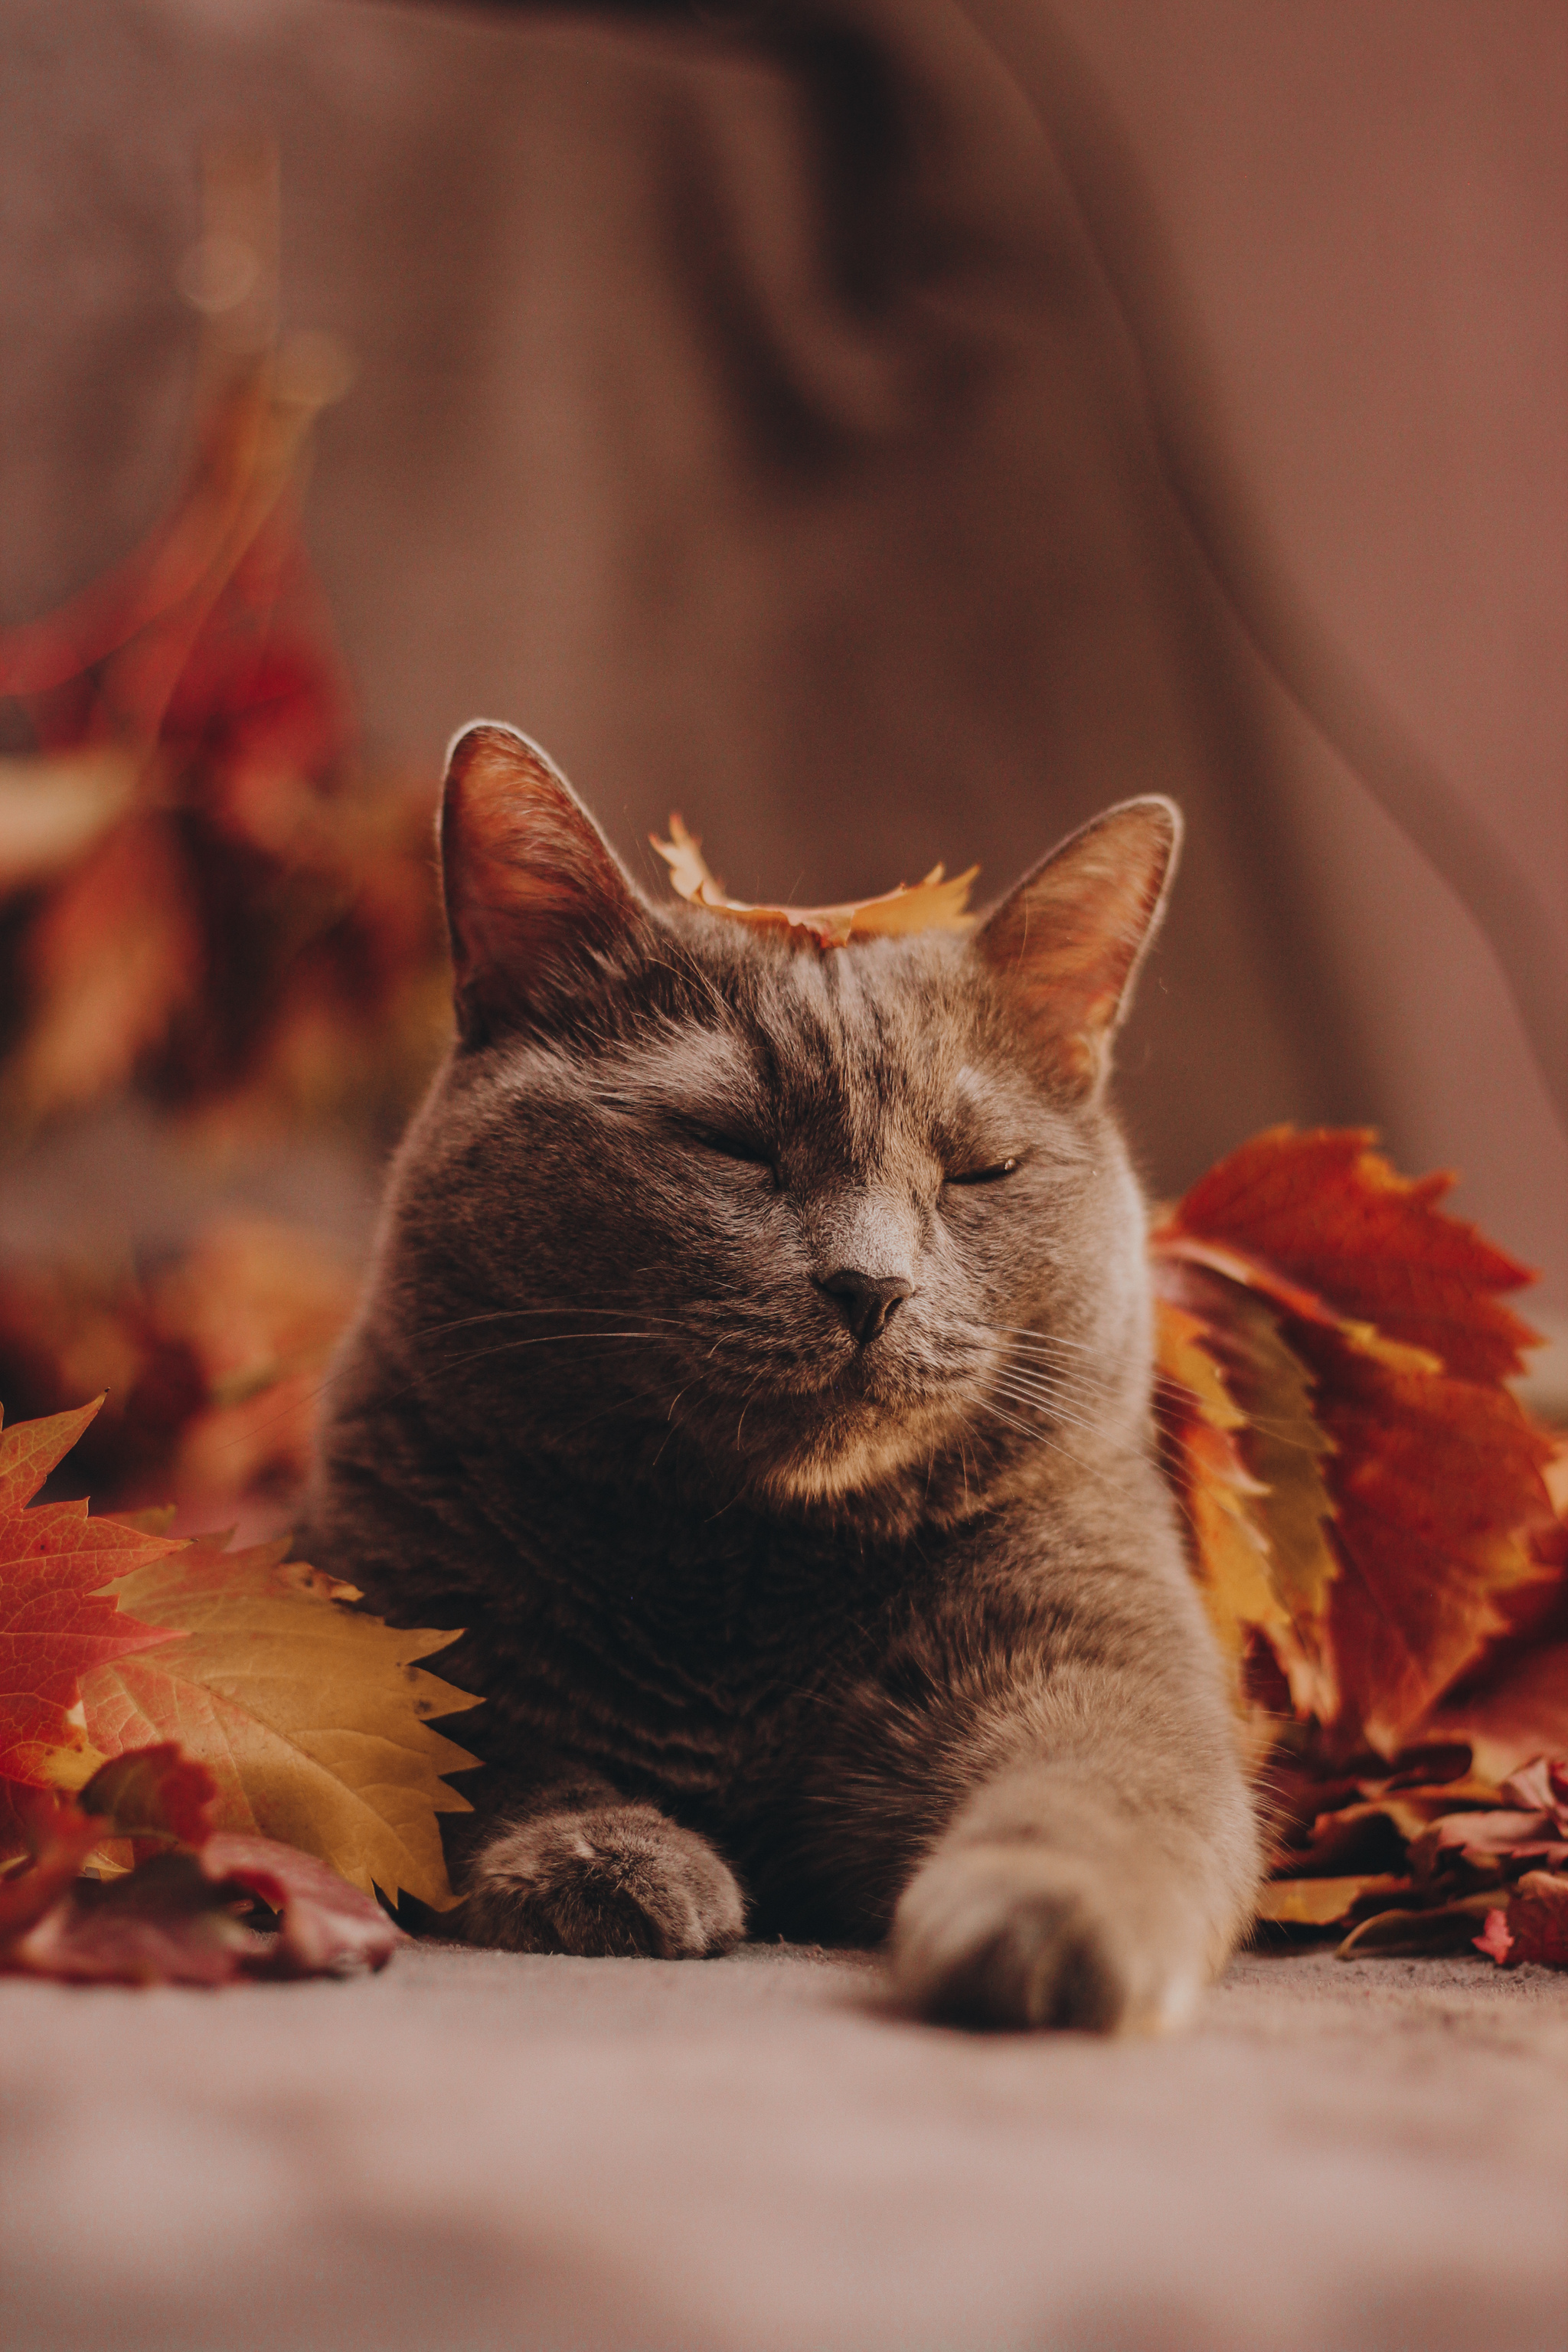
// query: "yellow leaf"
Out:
[1283,1447]
[1320,1902]
[934,905]
[1201,1422]
[311,1717]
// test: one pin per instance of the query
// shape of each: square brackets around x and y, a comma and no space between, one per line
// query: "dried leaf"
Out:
[1438,1494]
[1513,1701]
[311,1717]
[1495,1940]
[929,906]
[1535,1925]
[1541,1786]
[219,918]
[1277,1443]
[59,1839]
[175,1919]
[1323,1902]
[1417,1934]
[1199,1422]
[1510,1831]
[108,964]
[151,1792]
[56,1622]
[324,1925]
[162,1924]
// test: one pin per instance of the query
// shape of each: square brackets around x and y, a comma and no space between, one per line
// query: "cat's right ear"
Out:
[536,899]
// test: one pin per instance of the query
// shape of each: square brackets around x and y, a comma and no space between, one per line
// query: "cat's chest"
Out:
[681,1667]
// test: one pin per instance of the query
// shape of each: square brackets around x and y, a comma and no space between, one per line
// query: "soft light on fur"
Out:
[757,1361]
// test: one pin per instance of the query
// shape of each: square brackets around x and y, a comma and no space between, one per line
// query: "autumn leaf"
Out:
[311,1717]
[1325,1287]
[1329,1215]
[1325,1902]
[1400,1933]
[215,1359]
[207,898]
[1422,1855]
[931,905]
[1436,1491]
[1244,1452]
[1533,1927]
[1200,1422]
[57,1622]
[157,1791]
[176,1918]
[109,962]
[59,1838]
[1513,1699]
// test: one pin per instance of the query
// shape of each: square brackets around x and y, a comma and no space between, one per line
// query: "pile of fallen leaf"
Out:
[191,1738]
[211,1361]
[1377,1528]
[203,898]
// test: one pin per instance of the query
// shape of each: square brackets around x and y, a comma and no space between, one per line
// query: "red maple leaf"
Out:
[56,1620]
[1329,1213]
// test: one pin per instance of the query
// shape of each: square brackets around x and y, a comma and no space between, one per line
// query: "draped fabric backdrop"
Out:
[742,407]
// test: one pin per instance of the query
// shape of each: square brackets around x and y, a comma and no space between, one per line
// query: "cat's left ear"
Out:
[1067,944]
[536,899]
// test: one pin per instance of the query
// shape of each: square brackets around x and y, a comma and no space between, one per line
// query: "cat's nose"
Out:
[867,1302]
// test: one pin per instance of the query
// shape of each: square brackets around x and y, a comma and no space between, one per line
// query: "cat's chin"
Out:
[859,1456]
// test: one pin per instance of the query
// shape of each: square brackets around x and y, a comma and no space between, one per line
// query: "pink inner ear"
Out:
[532,885]
[1068,943]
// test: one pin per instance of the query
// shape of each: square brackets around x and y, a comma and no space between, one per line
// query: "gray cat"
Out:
[757,1361]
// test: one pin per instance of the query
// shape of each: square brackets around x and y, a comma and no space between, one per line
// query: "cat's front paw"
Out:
[1017,1935]
[619,1879]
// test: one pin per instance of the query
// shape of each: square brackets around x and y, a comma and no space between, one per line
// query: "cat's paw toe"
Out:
[618,1881]
[1017,1937]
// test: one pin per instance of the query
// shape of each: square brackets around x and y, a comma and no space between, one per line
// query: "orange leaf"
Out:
[934,905]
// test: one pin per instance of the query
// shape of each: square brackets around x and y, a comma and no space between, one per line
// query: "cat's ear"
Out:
[1067,943]
[536,899]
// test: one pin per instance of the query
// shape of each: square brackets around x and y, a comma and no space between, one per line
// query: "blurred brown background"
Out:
[742,405]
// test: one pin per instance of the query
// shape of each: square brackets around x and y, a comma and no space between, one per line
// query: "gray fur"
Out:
[894,1636]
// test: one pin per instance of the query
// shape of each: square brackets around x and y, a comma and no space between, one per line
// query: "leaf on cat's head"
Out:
[934,905]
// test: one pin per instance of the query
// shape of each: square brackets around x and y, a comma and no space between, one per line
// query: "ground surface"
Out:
[477,2149]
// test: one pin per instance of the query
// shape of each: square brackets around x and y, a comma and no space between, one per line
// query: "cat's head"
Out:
[849,1230]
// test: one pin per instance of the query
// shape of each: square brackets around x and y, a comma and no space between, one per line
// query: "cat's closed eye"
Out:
[990,1171]
[751,1151]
